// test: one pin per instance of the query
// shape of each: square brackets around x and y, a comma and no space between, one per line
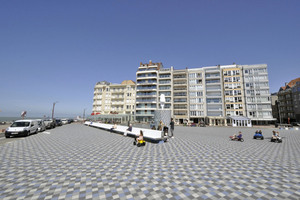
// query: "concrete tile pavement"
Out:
[80,162]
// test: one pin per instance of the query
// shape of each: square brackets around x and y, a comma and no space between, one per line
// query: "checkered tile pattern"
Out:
[80,162]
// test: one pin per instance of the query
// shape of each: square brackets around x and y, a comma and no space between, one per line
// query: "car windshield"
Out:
[20,124]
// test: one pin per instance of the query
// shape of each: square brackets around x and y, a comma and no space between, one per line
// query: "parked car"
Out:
[50,123]
[42,126]
[296,123]
[22,128]
[65,121]
[58,122]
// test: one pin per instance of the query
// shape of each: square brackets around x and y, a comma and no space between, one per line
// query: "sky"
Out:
[56,51]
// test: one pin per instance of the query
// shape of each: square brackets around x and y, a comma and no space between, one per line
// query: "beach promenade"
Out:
[80,162]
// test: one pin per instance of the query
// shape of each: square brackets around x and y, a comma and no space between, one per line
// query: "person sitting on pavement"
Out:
[114,127]
[129,128]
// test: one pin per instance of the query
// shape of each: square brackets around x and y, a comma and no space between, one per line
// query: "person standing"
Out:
[172,128]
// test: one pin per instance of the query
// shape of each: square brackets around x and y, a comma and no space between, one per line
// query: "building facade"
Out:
[275,106]
[289,102]
[147,91]
[180,96]
[196,92]
[257,94]
[215,95]
[114,99]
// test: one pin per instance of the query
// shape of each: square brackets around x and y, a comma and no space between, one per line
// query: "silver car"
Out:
[41,124]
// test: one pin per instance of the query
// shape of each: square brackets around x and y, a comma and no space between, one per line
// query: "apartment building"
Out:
[165,86]
[234,91]
[275,106]
[196,91]
[180,96]
[114,99]
[214,95]
[147,91]
[257,94]
[289,102]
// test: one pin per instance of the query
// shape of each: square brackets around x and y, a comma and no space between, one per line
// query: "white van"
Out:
[24,127]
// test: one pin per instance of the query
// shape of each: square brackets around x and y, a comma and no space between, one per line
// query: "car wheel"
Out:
[254,137]
[262,138]
[7,135]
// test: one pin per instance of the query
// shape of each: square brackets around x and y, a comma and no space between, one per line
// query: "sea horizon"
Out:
[11,119]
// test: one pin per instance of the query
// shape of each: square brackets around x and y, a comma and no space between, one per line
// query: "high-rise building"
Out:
[257,94]
[234,91]
[180,96]
[196,93]
[147,90]
[214,95]
[165,86]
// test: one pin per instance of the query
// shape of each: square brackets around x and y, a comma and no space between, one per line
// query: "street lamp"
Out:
[84,113]
[53,109]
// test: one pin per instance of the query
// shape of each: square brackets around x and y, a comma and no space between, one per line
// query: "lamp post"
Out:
[84,114]
[53,109]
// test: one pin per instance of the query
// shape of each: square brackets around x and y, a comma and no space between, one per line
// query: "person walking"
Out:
[172,128]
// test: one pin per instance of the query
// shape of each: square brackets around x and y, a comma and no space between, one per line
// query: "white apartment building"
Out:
[197,103]
[257,94]
[214,97]
[147,91]
[114,99]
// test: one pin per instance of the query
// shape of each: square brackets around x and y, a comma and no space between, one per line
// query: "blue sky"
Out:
[58,50]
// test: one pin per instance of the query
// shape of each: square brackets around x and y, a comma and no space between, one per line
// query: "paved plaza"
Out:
[80,162]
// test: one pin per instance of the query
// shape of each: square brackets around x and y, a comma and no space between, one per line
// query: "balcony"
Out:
[163,76]
[179,83]
[213,101]
[165,82]
[213,82]
[145,88]
[146,83]
[146,108]
[164,88]
[145,100]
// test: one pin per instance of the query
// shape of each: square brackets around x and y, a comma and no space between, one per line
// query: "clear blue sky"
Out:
[58,50]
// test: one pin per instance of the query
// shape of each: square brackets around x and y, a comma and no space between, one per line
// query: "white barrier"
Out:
[148,133]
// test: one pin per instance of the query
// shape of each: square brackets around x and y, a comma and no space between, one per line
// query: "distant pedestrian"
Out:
[172,128]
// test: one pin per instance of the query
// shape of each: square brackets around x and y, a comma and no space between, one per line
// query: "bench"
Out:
[149,134]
